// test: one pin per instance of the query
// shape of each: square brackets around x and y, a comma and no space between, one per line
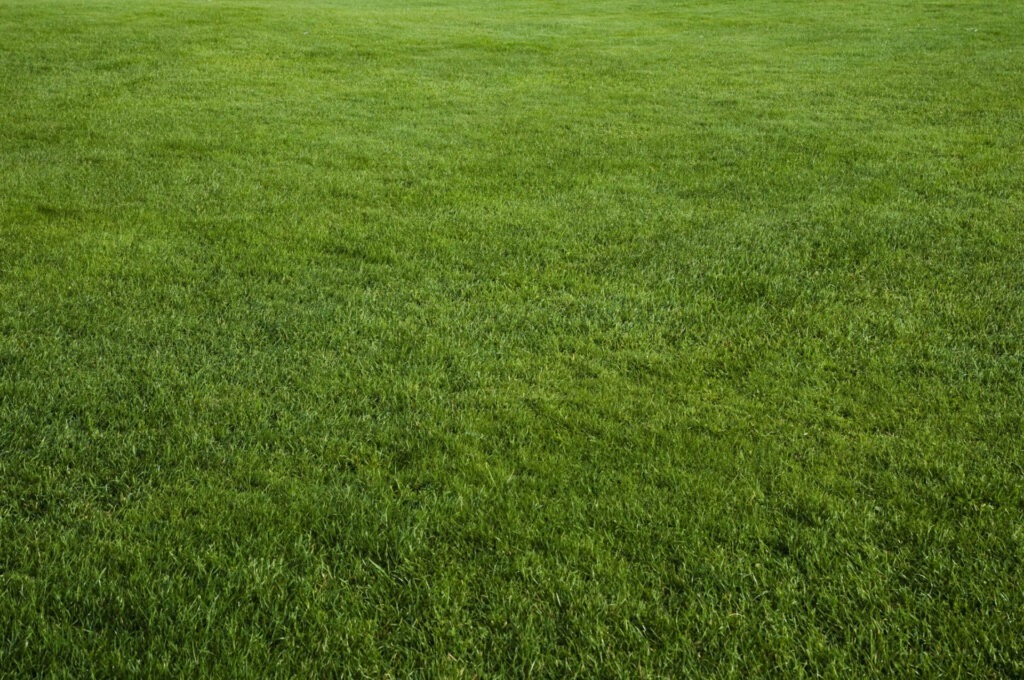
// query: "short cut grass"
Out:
[617,338]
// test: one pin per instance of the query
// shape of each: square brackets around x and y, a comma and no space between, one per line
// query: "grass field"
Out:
[617,338]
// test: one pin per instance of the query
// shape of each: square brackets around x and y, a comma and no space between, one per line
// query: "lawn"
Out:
[606,338]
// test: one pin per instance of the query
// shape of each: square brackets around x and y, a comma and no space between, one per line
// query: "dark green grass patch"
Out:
[598,339]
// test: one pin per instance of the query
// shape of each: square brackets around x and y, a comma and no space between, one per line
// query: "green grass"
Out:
[617,338]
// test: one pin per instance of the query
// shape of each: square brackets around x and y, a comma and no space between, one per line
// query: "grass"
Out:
[619,338]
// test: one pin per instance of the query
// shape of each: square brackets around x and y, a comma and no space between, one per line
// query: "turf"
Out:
[618,338]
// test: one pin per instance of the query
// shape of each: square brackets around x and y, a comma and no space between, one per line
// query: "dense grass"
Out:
[611,338]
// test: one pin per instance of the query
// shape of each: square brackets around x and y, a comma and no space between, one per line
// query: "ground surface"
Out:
[610,338]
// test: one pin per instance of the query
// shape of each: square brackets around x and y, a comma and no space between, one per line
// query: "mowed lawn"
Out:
[452,338]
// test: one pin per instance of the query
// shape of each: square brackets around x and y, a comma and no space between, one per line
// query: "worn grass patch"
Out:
[608,338]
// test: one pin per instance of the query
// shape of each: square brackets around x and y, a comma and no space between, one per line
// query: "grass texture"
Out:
[618,338]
